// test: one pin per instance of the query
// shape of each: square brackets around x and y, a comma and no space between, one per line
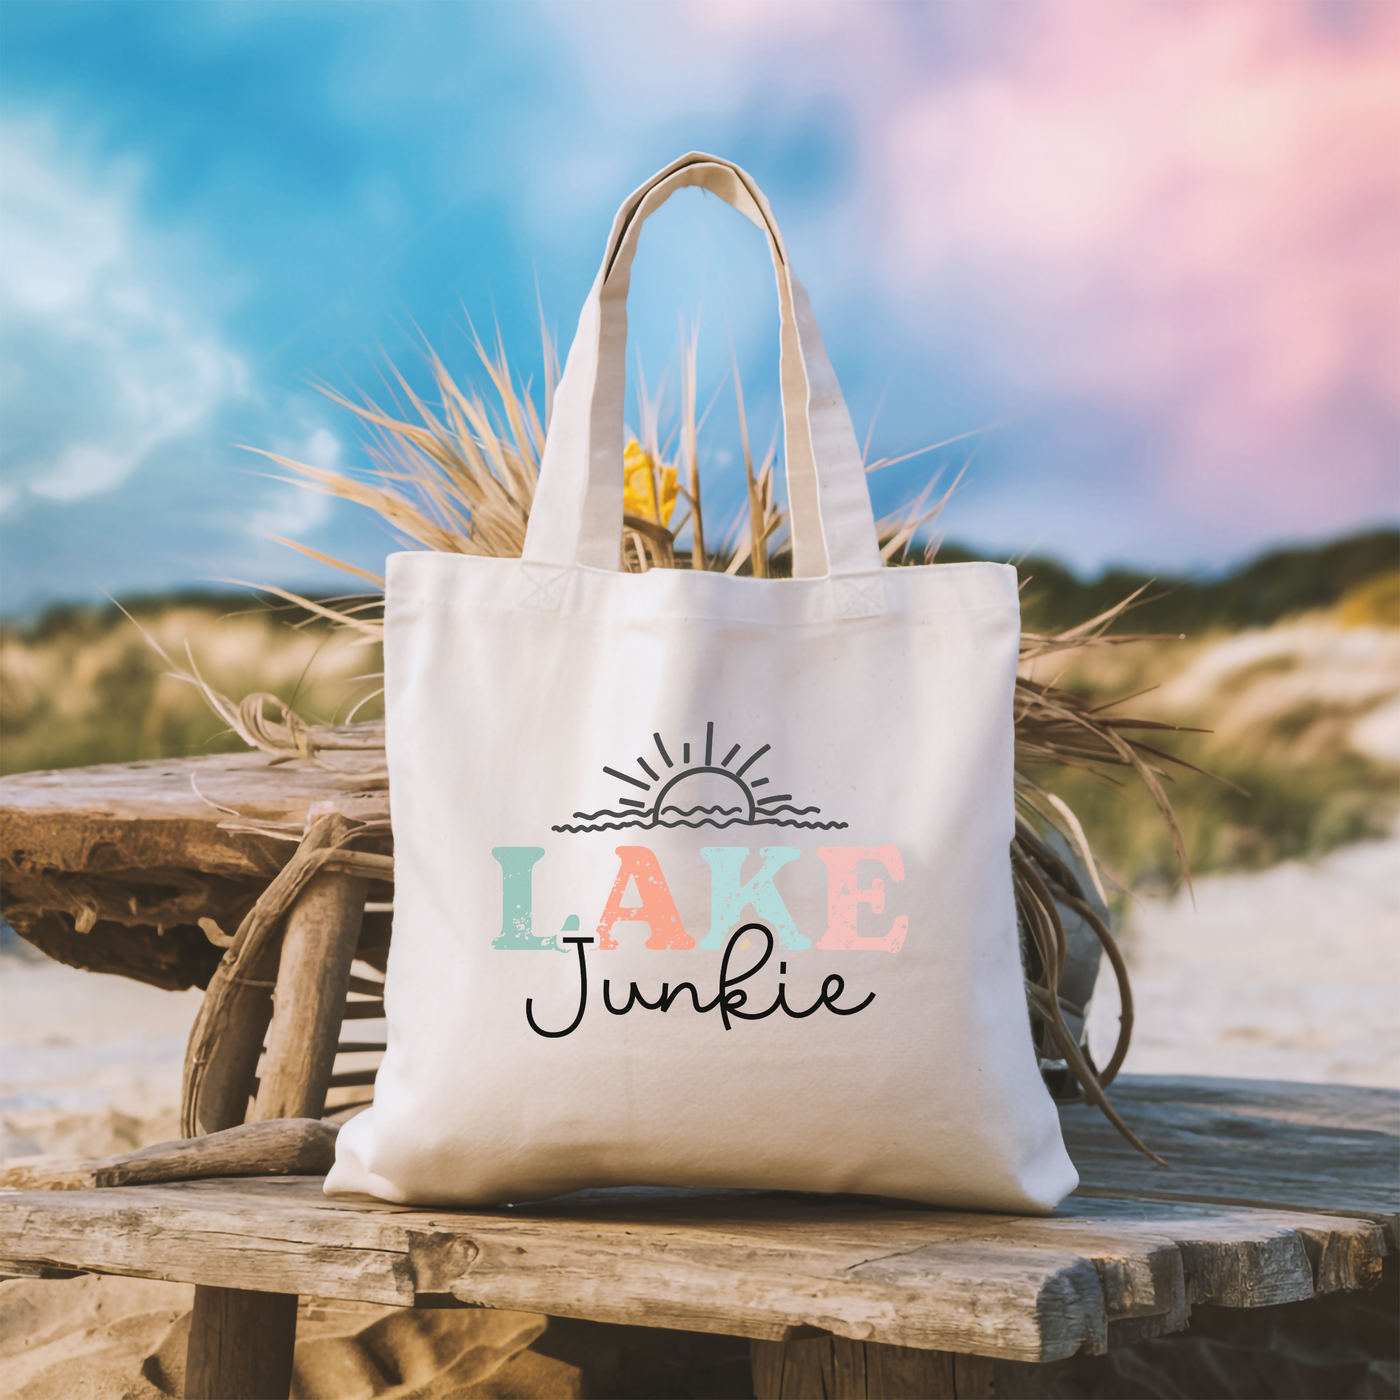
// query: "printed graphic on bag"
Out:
[639,874]
[752,809]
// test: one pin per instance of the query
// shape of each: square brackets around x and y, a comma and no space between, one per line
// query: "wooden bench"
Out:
[1276,1193]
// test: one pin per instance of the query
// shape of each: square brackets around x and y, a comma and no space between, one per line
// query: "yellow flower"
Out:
[639,485]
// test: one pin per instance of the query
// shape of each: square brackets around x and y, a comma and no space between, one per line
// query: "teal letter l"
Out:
[517,898]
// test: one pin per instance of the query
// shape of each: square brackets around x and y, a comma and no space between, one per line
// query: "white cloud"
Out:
[288,508]
[104,360]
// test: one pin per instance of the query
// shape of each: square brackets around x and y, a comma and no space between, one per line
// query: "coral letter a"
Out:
[657,909]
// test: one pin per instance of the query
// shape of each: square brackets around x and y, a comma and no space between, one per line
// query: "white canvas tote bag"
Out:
[702,880]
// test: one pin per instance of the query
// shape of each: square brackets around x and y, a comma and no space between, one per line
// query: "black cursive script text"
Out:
[730,999]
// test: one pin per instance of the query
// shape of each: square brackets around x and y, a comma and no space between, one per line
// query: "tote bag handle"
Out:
[576,517]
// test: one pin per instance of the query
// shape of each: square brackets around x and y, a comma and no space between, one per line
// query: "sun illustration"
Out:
[677,794]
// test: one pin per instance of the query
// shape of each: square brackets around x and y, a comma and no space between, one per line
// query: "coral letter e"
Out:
[657,909]
[844,897]
[517,898]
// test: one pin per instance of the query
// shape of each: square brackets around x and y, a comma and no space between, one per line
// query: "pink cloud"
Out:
[1187,211]
[1191,209]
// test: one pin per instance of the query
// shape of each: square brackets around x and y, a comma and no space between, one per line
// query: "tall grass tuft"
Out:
[82,685]
[459,475]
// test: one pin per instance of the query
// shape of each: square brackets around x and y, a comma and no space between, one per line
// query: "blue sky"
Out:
[1149,246]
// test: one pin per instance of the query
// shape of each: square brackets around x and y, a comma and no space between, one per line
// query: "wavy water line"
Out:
[785,807]
[695,826]
[680,812]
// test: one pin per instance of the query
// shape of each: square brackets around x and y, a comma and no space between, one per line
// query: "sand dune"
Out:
[89,1064]
[1286,973]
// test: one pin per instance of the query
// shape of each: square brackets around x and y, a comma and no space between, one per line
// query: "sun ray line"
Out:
[779,797]
[631,802]
[726,760]
[709,744]
[757,782]
[661,749]
[751,760]
[685,753]
[648,769]
[636,782]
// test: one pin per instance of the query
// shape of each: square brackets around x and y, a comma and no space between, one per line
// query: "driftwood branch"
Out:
[278,1147]
[245,973]
[313,977]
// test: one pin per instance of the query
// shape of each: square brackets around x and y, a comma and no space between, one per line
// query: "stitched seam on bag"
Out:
[860,598]
[547,590]
[546,586]
[467,607]
[914,613]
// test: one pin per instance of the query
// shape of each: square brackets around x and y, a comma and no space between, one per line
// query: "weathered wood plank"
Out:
[280,1240]
[112,867]
[1299,1147]
[165,810]
[1241,1257]
[213,1233]
[741,1263]
[1022,1302]
[1132,1244]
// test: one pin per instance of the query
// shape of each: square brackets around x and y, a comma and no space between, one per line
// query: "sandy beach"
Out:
[89,1064]
[1289,973]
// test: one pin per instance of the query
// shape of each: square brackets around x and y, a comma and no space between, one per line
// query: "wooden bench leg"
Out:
[241,1345]
[835,1368]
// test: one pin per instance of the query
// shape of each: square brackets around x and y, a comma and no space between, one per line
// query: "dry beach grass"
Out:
[83,685]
